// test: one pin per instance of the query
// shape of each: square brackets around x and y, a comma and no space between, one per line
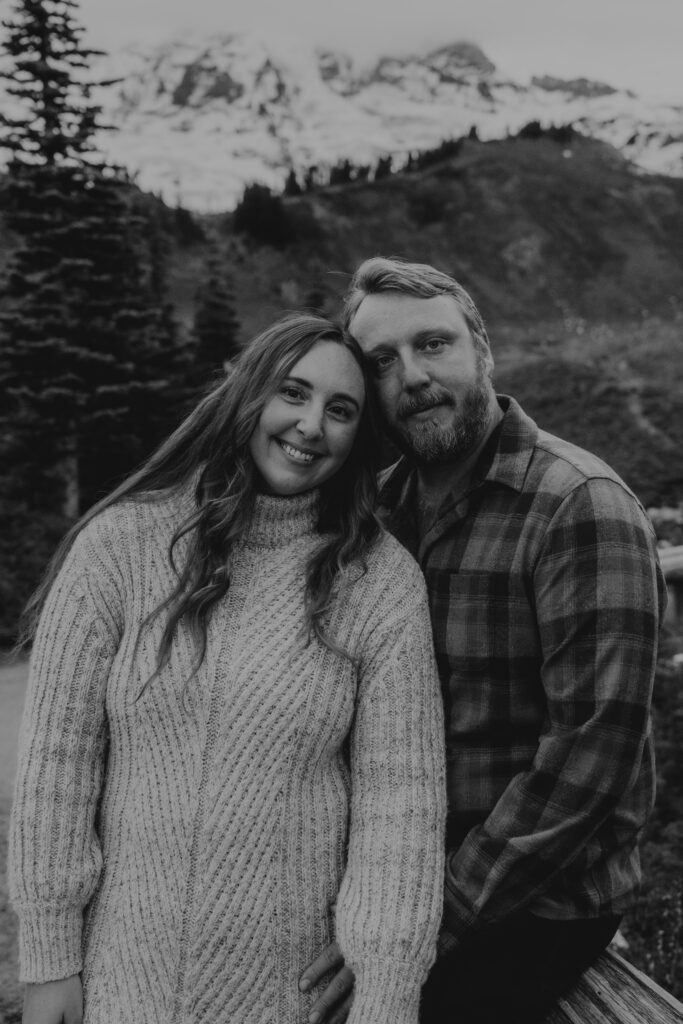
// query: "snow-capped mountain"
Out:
[199,118]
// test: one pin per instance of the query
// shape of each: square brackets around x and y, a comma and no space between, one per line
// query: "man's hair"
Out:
[380,274]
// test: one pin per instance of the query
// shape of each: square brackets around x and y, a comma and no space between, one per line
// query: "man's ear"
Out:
[486,354]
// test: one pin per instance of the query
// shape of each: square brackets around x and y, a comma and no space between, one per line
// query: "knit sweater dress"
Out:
[191,846]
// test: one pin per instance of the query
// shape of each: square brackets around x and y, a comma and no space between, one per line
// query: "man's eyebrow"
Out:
[334,398]
[437,330]
[440,330]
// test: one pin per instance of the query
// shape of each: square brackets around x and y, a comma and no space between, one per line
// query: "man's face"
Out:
[433,379]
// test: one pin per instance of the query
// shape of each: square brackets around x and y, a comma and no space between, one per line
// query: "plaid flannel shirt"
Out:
[546,600]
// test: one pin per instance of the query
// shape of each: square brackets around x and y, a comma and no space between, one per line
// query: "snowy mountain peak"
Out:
[200,117]
[461,60]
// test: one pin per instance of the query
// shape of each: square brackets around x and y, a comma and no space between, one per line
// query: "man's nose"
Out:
[414,373]
[310,423]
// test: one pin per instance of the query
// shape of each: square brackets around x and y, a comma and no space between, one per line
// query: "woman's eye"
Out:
[290,392]
[341,412]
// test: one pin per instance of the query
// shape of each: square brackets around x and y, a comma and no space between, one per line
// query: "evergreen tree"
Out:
[384,167]
[56,120]
[186,229]
[136,389]
[292,186]
[341,173]
[86,347]
[215,324]
[263,217]
[311,178]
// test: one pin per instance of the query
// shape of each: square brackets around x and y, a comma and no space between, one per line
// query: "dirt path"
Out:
[12,690]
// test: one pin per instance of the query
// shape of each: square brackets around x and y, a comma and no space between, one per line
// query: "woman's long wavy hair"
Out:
[212,446]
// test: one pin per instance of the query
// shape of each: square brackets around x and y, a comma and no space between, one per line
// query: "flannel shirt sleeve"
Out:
[599,596]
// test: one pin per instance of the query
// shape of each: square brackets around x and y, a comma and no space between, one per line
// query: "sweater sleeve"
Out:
[54,854]
[390,901]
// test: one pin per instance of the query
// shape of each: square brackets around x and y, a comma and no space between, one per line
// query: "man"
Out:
[546,599]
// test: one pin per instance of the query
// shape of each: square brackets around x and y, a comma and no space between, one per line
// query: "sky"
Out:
[634,44]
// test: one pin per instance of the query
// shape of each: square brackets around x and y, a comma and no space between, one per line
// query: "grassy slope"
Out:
[575,259]
[532,232]
[599,389]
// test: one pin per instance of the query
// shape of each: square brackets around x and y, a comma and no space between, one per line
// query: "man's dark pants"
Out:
[513,973]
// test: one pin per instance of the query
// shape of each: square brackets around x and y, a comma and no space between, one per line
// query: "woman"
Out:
[233,723]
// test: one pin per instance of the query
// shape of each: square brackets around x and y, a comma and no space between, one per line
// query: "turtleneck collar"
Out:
[278,520]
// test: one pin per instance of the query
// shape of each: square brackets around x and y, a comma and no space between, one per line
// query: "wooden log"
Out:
[614,992]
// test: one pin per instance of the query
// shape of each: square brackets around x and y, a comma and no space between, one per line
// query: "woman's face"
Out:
[307,428]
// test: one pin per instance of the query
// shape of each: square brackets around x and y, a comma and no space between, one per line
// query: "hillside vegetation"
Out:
[534,228]
[574,257]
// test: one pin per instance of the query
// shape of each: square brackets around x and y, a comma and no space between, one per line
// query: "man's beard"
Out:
[428,443]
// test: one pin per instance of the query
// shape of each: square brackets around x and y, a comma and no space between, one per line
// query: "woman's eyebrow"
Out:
[344,397]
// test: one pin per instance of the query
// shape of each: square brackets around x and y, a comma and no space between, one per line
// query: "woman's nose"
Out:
[310,424]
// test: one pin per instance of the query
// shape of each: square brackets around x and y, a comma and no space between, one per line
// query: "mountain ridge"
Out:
[199,118]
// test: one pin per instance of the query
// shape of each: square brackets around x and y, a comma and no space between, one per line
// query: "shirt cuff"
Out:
[49,942]
[458,919]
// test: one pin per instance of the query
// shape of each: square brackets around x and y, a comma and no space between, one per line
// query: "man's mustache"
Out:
[408,405]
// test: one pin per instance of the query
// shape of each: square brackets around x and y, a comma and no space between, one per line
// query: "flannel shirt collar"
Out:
[504,460]
[506,457]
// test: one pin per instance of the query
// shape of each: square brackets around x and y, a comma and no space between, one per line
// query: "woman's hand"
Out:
[54,1002]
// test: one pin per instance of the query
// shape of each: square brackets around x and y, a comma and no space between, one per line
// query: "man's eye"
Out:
[380,363]
[433,344]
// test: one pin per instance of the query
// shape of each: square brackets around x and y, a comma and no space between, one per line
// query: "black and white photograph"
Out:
[341,512]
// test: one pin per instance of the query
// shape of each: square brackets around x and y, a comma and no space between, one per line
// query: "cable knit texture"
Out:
[184,844]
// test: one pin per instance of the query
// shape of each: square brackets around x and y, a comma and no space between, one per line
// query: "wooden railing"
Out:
[614,992]
[672,566]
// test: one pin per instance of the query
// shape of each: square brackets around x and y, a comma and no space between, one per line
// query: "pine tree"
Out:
[49,142]
[292,186]
[90,342]
[341,173]
[215,323]
[87,347]
[263,216]
[56,122]
[383,167]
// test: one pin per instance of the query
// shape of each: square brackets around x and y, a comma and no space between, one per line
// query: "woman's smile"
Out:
[302,455]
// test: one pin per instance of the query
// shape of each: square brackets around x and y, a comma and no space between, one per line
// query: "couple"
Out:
[230,804]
